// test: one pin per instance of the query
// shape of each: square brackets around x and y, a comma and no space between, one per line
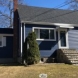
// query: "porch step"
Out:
[69,56]
[71,52]
[73,59]
[74,62]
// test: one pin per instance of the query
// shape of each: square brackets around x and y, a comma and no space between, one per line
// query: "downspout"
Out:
[21,40]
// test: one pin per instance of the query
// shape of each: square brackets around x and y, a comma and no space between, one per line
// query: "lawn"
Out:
[33,71]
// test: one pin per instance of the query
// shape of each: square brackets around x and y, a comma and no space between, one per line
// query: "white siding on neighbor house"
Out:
[73,39]
[4,41]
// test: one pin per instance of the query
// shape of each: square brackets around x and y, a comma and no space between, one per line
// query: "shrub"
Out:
[32,55]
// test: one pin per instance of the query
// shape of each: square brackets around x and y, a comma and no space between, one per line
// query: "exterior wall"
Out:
[7,51]
[73,38]
[47,48]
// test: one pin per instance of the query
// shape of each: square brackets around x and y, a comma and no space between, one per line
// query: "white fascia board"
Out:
[49,23]
[21,39]
[66,26]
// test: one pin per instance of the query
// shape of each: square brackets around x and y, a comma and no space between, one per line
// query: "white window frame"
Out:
[49,34]
[59,41]
[2,41]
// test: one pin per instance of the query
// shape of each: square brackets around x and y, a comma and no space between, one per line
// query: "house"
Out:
[55,28]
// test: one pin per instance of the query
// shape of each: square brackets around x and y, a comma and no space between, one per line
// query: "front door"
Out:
[63,38]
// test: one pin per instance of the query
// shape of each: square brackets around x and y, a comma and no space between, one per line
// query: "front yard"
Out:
[33,71]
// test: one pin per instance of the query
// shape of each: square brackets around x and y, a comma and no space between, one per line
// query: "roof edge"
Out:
[48,23]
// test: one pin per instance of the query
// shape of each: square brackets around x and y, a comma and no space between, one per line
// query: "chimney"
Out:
[15,4]
[15,31]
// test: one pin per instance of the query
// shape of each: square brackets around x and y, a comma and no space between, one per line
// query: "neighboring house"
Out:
[6,45]
[55,29]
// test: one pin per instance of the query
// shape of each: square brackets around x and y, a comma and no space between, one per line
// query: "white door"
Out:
[63,38]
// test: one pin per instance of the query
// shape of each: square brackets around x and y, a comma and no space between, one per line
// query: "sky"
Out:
[38,3]
[45,3]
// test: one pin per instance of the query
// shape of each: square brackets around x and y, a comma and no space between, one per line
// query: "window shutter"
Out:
[4,41]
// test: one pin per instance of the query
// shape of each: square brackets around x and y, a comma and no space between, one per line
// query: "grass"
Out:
[33,71]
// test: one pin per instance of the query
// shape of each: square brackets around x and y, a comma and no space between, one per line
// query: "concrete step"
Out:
[71,54]
[73,59]
[74,62]
[69,49]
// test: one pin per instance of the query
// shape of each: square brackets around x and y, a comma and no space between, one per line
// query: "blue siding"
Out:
[73,38]
[46,47]
[7,51]
[27,30]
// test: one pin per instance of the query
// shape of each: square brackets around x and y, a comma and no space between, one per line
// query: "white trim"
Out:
[49,23]
[24,32]
[45,28]
[59,41]
[21,39]
[46,39]
[63,26]
[41,28]
[4,41]
[6,35]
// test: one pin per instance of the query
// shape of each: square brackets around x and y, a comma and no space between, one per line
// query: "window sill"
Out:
[46,39]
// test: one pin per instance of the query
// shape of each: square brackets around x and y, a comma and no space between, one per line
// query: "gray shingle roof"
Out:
[39,14]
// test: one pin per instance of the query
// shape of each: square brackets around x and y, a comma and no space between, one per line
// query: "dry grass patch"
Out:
[33,71]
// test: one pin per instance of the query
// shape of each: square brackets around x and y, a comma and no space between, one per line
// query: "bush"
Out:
[32,55]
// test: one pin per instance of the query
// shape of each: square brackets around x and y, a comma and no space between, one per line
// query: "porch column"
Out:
[24,32]
[21,39]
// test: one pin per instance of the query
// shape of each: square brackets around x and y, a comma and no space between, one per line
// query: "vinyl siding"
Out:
[47,48]
[7,51]
[73,38]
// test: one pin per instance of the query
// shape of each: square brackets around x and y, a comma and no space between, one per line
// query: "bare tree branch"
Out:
[74,5]
[6,12]
[5,15]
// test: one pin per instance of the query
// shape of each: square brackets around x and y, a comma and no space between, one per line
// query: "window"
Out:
[1,41]
[45,33]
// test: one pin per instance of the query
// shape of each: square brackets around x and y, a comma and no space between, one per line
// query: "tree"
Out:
[6,12]
[73,5]
[32,54]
